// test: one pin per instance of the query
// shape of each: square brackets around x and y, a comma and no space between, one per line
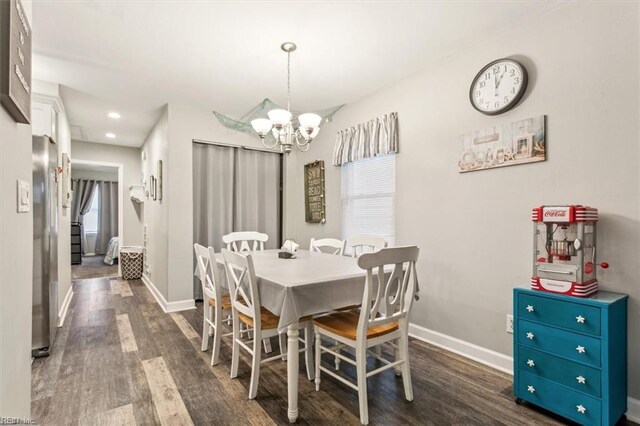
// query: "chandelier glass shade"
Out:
[283,127]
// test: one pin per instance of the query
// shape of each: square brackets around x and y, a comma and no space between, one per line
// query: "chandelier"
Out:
[282,124]
[284,127]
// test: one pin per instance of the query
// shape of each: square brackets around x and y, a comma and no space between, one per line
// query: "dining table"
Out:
[311,283]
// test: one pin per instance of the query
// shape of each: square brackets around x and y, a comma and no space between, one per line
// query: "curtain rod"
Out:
[229,145]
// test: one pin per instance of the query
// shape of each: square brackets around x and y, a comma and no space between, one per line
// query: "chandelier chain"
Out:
[288,81]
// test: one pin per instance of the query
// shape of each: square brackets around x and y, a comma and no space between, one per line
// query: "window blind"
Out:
[369,198]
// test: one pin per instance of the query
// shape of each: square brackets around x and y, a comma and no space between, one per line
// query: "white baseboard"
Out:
[468,350]
[180,305]
[633,410]
[489,358]
[62,314]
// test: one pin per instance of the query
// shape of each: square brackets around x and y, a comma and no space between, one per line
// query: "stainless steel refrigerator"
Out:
[45,245]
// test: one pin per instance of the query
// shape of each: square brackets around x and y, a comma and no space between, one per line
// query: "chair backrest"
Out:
[363,243]
[239,241]
[243,285]
[388,295]
[330,245]
[205,268]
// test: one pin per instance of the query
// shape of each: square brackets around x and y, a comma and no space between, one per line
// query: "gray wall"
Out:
[155,213]
[474,229]
[16,266]
[130,159]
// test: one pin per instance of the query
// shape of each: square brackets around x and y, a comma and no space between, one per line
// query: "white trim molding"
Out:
[167,307]
[477,353]
[489,358]
[633,409]
[65,306]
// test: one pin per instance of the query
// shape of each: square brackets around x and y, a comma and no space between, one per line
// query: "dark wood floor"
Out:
[119,359]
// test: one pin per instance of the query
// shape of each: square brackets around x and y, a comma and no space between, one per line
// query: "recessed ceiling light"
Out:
[110,135]
[114,114]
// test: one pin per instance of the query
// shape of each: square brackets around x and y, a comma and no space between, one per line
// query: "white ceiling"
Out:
[134,57]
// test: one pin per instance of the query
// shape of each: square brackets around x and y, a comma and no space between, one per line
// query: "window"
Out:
[90,220]
[369,198]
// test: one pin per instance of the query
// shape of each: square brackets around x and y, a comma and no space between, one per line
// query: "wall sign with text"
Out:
[15,61]
[314,206]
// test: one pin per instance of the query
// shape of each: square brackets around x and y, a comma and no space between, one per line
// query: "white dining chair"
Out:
[245,241]
[217,305]
[248,241]
[246,309]
[327,245]
[365,243]
[388,297]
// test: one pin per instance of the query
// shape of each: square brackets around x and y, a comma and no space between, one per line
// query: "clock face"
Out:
[498,86]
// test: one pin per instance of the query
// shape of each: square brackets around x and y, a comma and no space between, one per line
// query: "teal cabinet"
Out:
[570,354]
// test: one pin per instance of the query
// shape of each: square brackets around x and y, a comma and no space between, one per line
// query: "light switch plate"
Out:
[24,196]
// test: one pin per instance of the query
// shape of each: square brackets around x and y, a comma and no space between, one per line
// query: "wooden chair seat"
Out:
[345,324]
[268,319]
[226,302]
[348,308]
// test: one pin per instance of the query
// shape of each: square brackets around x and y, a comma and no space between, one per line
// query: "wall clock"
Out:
[498,86]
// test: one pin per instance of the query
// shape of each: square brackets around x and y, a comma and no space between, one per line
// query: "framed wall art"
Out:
[314,201]
[510,144]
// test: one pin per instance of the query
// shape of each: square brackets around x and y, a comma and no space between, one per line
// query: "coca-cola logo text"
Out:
[555,213]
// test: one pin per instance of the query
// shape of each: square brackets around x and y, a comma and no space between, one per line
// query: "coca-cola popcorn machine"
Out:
[564,250]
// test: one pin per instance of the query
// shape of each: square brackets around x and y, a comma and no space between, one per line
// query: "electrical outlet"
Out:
[509,323]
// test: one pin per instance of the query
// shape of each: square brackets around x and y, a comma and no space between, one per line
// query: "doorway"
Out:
[96,219]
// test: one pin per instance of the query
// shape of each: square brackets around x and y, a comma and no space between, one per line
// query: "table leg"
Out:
[292,370]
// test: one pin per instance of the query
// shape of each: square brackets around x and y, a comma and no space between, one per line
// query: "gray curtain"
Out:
[83,193]
[257,194]
[234,189]
[365,140]
[107,215]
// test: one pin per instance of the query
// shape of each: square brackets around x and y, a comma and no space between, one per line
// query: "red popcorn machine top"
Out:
[564,250]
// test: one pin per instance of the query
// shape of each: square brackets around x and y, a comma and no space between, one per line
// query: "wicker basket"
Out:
[131,260]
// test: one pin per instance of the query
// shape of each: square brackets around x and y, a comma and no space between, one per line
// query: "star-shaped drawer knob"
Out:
[581,409]
[530,308]
[580,319]
[581,380]
[531,363]
[530,336]
[531,389]
[581,349]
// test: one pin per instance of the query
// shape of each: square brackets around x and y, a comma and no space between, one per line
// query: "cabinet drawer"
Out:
[577,347]
[565,314]
[574,375]
[559,399]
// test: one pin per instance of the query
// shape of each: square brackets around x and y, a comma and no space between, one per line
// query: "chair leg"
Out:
[267,345]
[361,369]
[211,316]
[283,345]
[308,350]
[217,337]
[396,355]
[235,350]
[406,371]
[205,329]
[337,360]
[318,357]
[255,364]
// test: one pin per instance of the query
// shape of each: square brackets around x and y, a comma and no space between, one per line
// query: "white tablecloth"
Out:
[312,283]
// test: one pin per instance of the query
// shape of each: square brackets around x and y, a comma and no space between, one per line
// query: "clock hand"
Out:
[500,79]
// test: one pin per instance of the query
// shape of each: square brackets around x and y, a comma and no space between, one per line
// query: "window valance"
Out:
[365,140]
